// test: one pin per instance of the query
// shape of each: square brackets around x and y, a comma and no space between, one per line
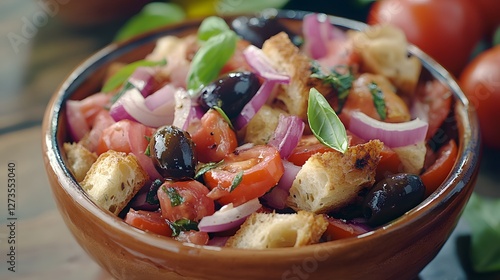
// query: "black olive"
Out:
[392,197]
[172,152]
[230,92]
[256,30]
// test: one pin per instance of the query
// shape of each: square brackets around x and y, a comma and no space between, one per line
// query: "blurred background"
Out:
[42,41]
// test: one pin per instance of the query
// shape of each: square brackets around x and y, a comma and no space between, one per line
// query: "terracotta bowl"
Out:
[399,250]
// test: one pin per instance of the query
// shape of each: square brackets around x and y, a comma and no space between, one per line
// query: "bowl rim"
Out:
[461,173]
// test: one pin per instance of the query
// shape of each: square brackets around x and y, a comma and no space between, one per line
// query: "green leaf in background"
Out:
[210,27]
[152,15]
[209,60]
[483,217]
[496,37]
[324,122]
[122,75]
[231,7]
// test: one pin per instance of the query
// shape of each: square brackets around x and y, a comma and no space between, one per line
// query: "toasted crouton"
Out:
[262,126]
[383,50]
[328,181]
[412,157]
[113,180]
[80,159]
[287,58]
[271,230]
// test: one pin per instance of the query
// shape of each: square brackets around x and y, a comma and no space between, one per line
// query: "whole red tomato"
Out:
[490,12]
[447,30]
[480,81]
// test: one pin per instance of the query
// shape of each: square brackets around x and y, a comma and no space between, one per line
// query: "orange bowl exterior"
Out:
[399,250]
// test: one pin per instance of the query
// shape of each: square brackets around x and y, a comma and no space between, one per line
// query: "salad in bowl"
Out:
[275,136]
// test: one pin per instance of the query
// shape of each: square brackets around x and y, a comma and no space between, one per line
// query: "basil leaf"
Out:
[122,75]
[175,198]
[182,225]
[151,16]
[152,196]
[231,7]
[206,167]
[324,123]
[482,217]
[210,27]
[236,181]
[209,60]
[224,116]
[378,100]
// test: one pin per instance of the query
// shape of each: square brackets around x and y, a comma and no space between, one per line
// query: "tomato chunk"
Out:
[184,200]
[434,176]
[148,221]
[245,175]
[214,138]
[338,229]
[307,146]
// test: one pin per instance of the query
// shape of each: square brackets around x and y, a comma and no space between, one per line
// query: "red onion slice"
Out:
[134,103]
[183,109]
[276,198]
[258,60]
[160,97]
[228,217]
[143,79]
[287,134]
[317,31]
[392,134]
[77,124]
[254,105]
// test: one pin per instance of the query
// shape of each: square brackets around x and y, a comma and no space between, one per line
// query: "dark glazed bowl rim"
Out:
[463,171]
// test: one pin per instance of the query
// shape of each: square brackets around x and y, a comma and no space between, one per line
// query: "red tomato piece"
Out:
[184,200]
[259,169]
[447,30]
[480,81]
[338,229]
[307,146]
[434,176]
[434,100]
[148,221]
[214,138]
[193,237]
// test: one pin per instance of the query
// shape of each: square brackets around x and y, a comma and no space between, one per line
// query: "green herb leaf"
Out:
[147,152]
[482,217]
[151,16]
[182,225]
[152,196]
[175,198]
[324,123]
[224,116]
[202,169]
[236,181]
[210,27]
[120,77]
[378,100]
[230,7]
[209,60]
[342,83]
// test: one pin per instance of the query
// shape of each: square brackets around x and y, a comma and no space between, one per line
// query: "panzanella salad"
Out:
[252,136]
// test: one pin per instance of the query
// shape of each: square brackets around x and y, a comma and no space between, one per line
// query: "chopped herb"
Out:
[128,86]
[378,100]
[236,181]
[342,83]
[224,116]
[203,168]
[324,123]
[175,198]
[147,152]
[152,196]
[122,75]
[182,225]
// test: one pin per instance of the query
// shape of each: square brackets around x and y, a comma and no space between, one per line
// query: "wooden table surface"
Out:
[29,73]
